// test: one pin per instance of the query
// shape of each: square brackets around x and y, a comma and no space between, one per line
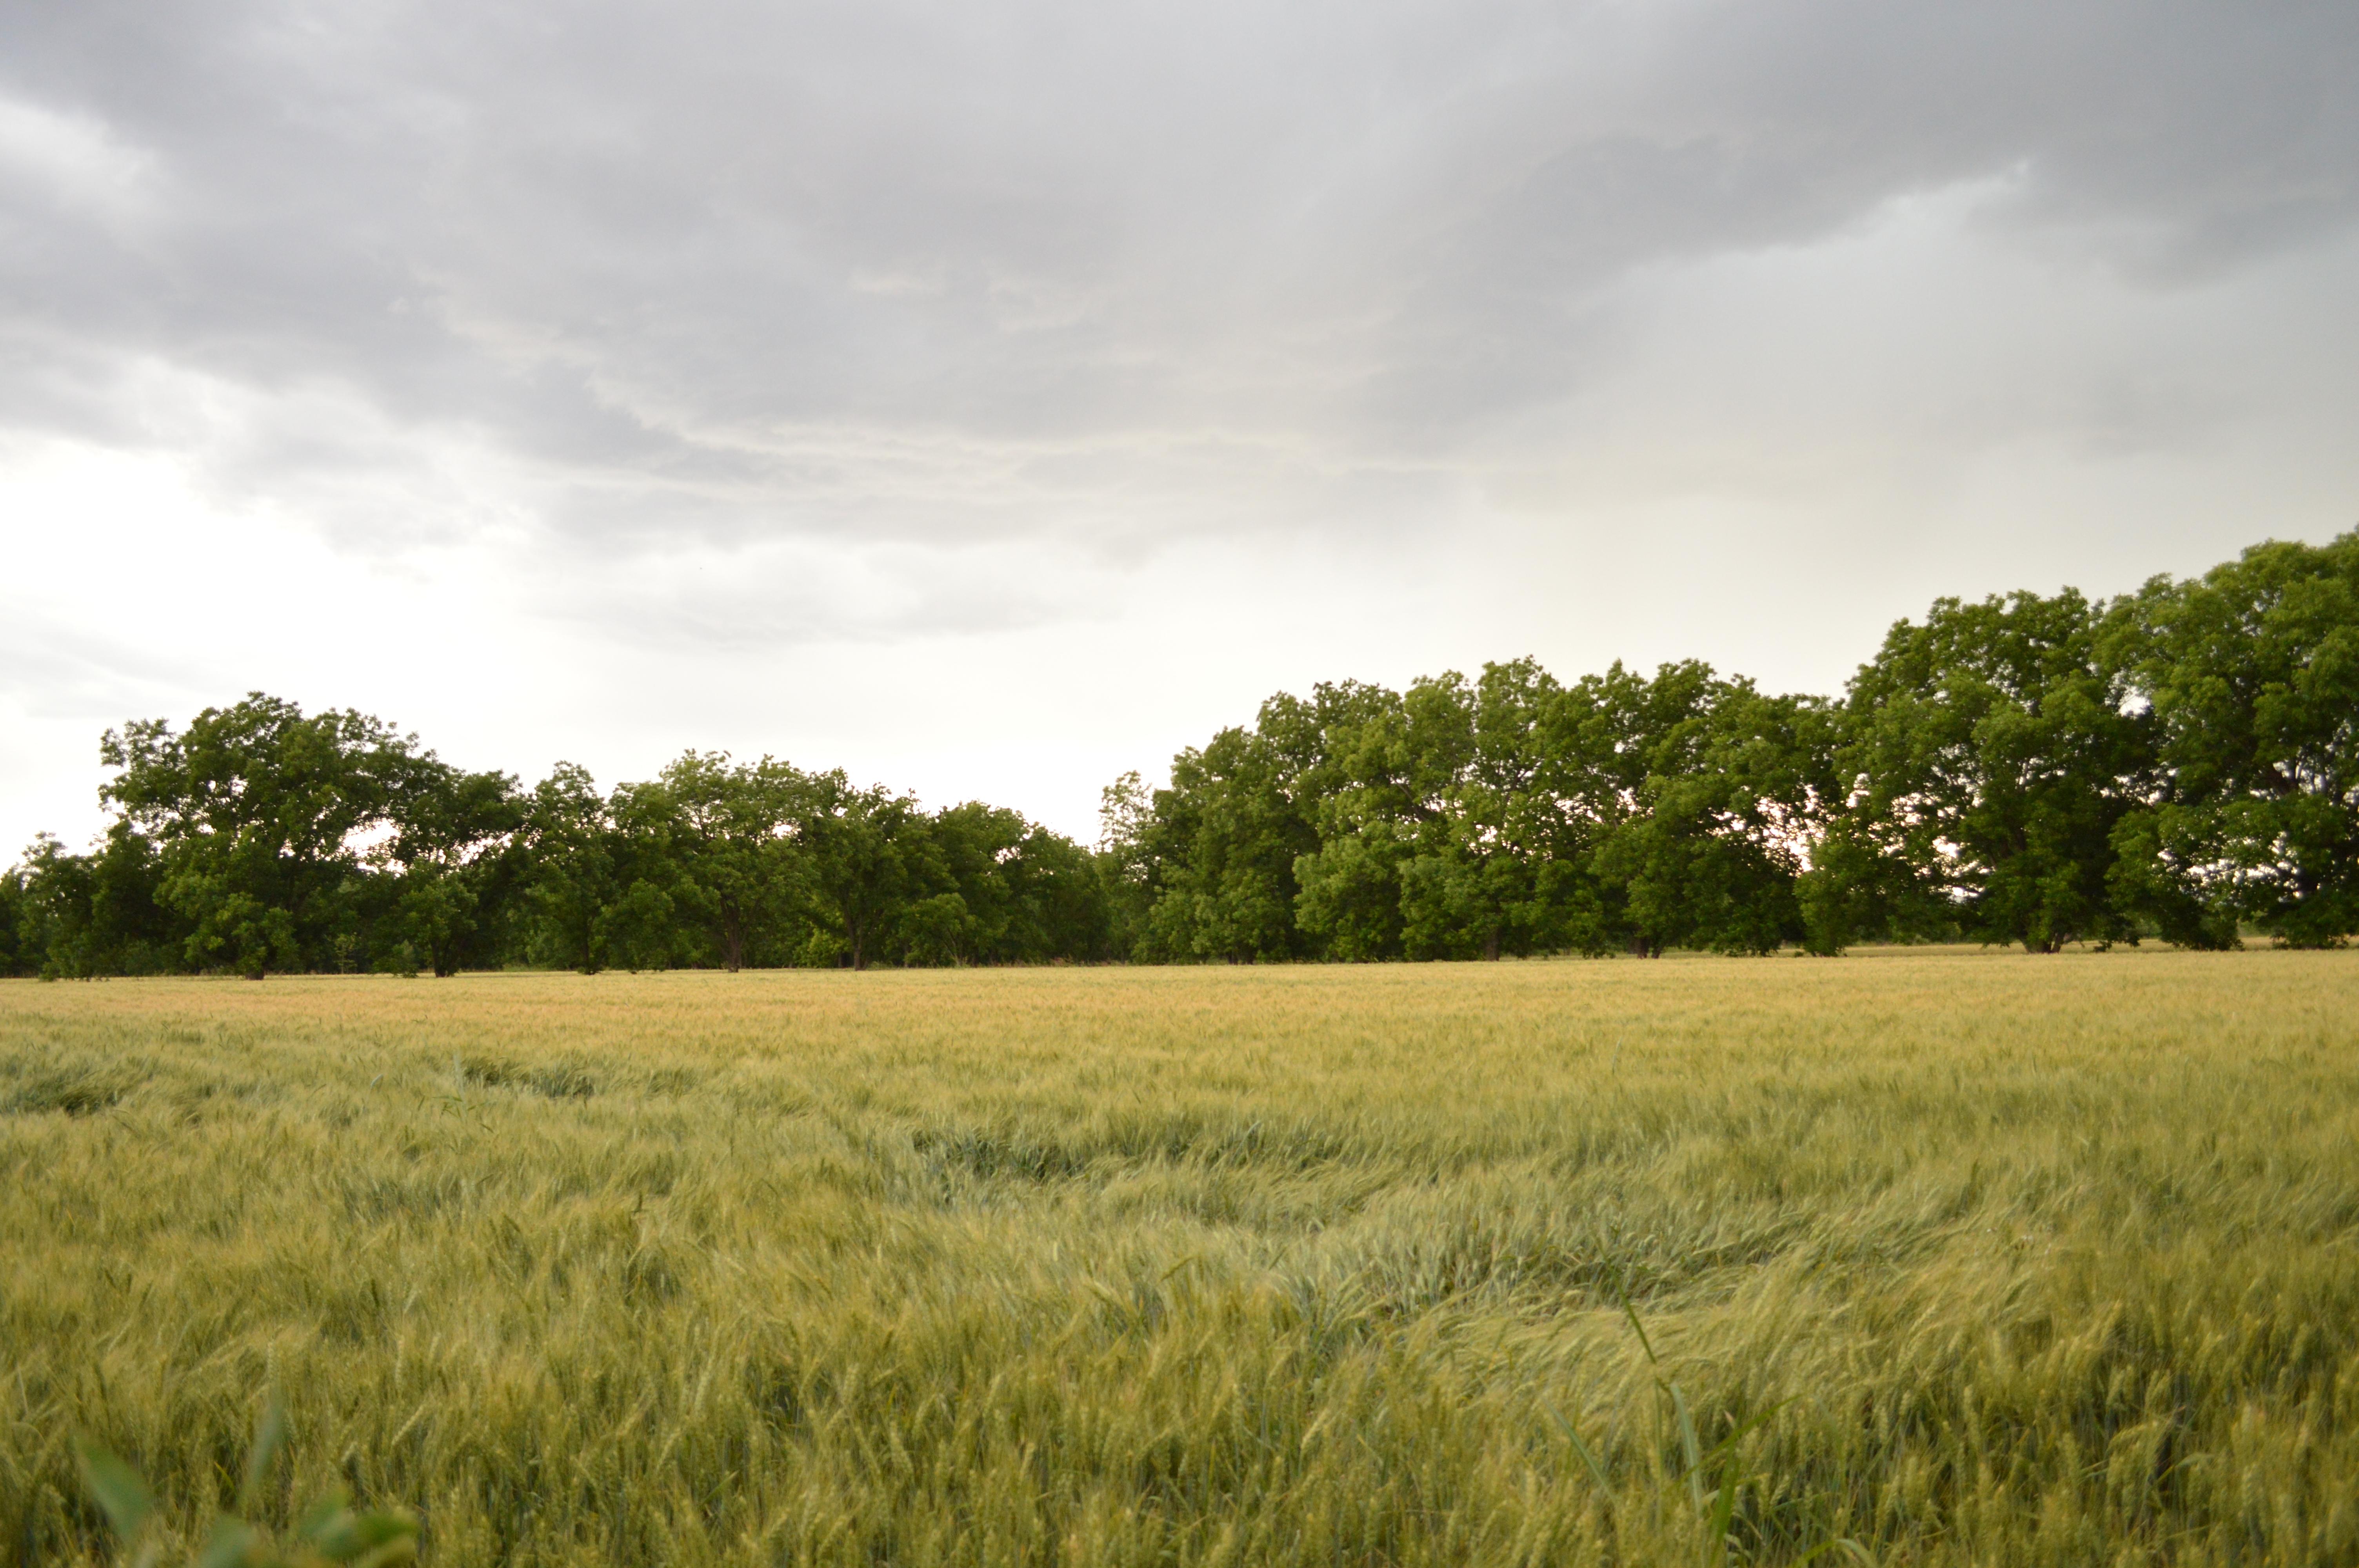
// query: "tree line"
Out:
[2179,763]
[262,839]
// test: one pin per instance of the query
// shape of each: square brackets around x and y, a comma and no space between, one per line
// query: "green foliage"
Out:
[2252,672]
[744,876]
[716,863]
[1734,792]
[260,818]
[2033,770]
[1022,893]
[1510,816]
[1996,755]
[574,880]
[1124,863]
[875,870]
[452,867]
[98,913]
[18,943]
[2181,764]
[1224,844]
[329,1531]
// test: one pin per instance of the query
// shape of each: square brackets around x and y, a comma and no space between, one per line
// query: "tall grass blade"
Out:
[116,1489]
[1588,1457]
[269,1434]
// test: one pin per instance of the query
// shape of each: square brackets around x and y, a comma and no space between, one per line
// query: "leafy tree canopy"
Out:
[2182,762]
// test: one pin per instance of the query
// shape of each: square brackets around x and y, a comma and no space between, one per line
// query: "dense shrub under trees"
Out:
[2180,764]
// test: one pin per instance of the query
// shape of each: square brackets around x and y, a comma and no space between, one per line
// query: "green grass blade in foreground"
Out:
[119,1491]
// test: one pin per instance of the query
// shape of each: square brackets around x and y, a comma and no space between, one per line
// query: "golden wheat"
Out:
[1959,1257]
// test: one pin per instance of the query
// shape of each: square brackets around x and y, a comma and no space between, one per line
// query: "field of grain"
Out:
[1981,1258]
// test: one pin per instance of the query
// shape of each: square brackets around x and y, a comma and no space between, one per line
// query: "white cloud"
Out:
[79,162]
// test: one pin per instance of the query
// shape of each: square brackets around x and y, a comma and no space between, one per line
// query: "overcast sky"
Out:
[992,397]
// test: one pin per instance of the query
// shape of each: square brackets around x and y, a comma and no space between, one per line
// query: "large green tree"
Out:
[77,916]
[872,861]
[742,872]
[452,868]
[1127,864]
[1994,754]
[1465,820]
[1225,836]
[2252,671]
[16,945]
[577,875]
[263,817]
[1440,828]
[1736,786]
[1016,893]
[1389,875]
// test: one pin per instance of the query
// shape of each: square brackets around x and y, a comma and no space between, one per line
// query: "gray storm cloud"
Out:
[1275,341]
[806,267]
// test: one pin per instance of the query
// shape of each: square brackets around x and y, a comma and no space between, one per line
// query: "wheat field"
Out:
[1914,1257]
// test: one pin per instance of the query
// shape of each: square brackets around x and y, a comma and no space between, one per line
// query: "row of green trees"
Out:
[264,840]
[2180,764]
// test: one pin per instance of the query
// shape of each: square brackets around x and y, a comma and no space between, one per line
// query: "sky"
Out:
[990,398]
